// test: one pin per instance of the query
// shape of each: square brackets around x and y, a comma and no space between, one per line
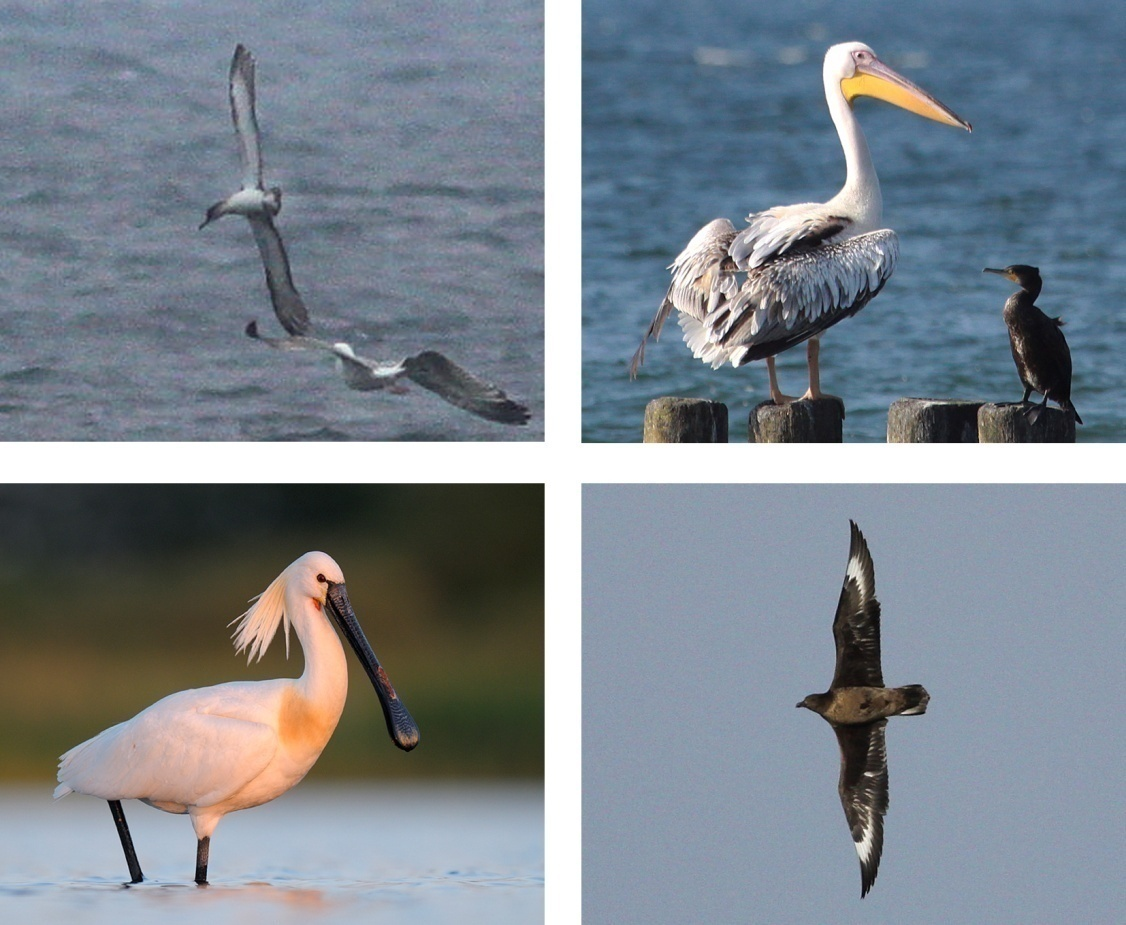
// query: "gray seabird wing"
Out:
[287,301]
[448,381]
[243,115]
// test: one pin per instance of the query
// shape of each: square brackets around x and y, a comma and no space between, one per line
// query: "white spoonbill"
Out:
[804,267]
[211,751]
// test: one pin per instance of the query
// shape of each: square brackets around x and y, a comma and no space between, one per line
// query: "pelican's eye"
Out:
[321,579]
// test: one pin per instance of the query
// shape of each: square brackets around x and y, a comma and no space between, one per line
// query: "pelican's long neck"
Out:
[860,198]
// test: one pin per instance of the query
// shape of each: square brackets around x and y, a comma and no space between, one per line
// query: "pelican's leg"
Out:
[776,395]
[126,841]
[203,848]
[812,353]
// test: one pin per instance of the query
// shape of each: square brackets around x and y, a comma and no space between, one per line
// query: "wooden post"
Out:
[1007,422]
[685,420]
[926,420]
[809,421]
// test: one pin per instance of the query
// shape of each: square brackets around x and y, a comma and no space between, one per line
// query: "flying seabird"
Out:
[257,203]
[857,706]
[429,369]
[1039,347]
[806,266]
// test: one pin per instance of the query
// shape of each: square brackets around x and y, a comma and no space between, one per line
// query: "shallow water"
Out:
[697,110]
[409,145]
[396,853]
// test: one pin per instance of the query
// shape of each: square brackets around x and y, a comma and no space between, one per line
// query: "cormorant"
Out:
[1039,347]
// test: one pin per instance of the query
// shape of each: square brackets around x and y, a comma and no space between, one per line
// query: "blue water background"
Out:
[697,110]
[409,142]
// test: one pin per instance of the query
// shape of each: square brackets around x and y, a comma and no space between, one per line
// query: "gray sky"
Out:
[707,613]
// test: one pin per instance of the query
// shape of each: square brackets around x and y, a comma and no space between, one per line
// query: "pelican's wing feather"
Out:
[793,298]
[243,115]
[459,387]
[775,232]
[703,276]
[287,302]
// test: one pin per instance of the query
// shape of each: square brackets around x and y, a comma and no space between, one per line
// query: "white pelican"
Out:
[429,369]
[211,751]
[807,266]
[253,200]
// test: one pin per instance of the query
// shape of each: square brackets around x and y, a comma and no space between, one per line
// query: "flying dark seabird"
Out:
[857,705]
[1039,347]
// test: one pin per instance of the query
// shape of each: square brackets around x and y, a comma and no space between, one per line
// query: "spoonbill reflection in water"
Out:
[211,751]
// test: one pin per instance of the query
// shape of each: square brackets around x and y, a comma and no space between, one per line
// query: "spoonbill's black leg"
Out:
[201,852]
[126,841]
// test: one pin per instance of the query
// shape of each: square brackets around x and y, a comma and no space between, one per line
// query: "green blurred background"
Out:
[112,596]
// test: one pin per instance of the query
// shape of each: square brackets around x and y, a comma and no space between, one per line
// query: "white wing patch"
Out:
[855,572]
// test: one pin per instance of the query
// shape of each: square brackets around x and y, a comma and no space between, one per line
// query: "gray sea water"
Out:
[393,854]
[408,140]
[698,109]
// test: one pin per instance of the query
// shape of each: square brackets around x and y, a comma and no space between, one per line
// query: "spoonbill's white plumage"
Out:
[257,203]
[796,270]
[212,751]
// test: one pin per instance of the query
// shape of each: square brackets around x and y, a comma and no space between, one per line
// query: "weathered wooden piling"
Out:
[932,420]
[818,420]
[1007,422]
[685,420]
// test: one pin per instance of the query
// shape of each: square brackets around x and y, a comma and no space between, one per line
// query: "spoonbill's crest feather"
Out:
[257,627]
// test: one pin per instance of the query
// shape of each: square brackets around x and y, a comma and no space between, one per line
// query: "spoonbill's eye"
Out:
[321,579]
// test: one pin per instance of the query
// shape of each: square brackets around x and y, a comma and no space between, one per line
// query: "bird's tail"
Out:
[1068,406]
[915,699]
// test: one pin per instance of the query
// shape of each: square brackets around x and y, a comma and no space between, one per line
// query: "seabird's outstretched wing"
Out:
[287,301]
[461,388]
[243,115]
[864,792]
[856,628]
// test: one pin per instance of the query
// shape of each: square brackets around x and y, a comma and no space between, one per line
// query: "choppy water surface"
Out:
[699,109]
[417,855]
[408,142]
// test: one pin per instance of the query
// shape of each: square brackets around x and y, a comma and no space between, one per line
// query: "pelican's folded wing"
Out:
[702,277]
[774,232]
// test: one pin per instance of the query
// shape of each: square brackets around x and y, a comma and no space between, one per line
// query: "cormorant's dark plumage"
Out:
[1039,347]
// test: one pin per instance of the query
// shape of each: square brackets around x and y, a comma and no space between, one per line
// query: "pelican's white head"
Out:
[852,69]
[305,578]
